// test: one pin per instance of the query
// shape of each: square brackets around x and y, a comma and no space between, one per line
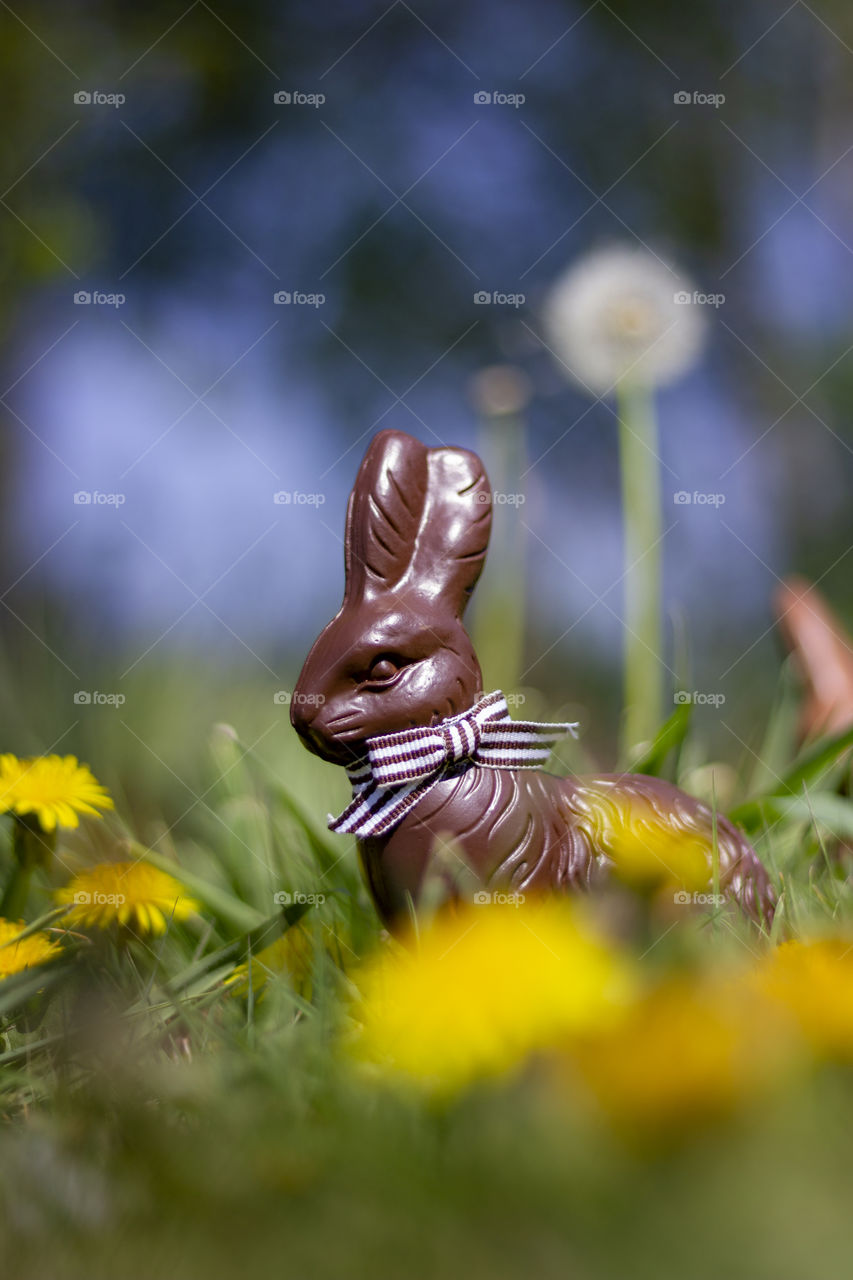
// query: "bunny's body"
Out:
[521,831]
[397,657]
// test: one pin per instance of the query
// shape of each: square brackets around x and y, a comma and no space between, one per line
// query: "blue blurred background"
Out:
[385,196]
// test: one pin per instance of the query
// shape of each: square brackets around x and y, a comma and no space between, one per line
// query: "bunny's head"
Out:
[397,654]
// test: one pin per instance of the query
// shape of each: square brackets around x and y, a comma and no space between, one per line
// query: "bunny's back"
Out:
[526,830]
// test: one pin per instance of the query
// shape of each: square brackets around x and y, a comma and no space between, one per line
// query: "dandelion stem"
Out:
[500,619]
[641,513]
[33,847]
[16,893]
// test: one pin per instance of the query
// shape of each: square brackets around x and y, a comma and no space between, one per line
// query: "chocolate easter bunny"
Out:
[392,691]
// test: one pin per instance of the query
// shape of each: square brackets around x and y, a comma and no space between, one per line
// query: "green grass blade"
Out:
[228,908]
[669,737]
[814,762]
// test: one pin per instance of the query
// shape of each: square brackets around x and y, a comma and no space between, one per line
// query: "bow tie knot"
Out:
[461,737]
[401,767]
[415,754]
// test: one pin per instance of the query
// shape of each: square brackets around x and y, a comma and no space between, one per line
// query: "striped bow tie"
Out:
[401,768]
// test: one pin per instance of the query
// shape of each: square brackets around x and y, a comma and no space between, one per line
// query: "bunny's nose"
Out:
[314,741]
[302,714]
[307,719]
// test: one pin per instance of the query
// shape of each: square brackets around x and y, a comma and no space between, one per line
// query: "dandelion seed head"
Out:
[614,316]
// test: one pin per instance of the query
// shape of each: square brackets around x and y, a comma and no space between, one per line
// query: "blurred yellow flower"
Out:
[482,988]
[814,982]
[126,893]
[646,851]
[54,788]
[17,956]
[291,953]
[690,1052]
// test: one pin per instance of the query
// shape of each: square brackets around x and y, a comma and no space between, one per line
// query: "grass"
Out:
[639,466]
[169,1112]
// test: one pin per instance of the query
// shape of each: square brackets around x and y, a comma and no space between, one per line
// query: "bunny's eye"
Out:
[384,668]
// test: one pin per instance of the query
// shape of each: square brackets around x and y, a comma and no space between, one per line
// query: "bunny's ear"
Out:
[457,520]
[384,513]
[417,518]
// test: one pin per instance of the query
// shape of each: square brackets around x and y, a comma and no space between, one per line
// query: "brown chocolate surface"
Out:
[397,655]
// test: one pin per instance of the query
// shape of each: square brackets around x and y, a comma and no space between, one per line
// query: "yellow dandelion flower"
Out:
[26,953]
[485,987]
[647,852]
[53,788]
[292,953]
[814,982]
[127,893]
[691,1052]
